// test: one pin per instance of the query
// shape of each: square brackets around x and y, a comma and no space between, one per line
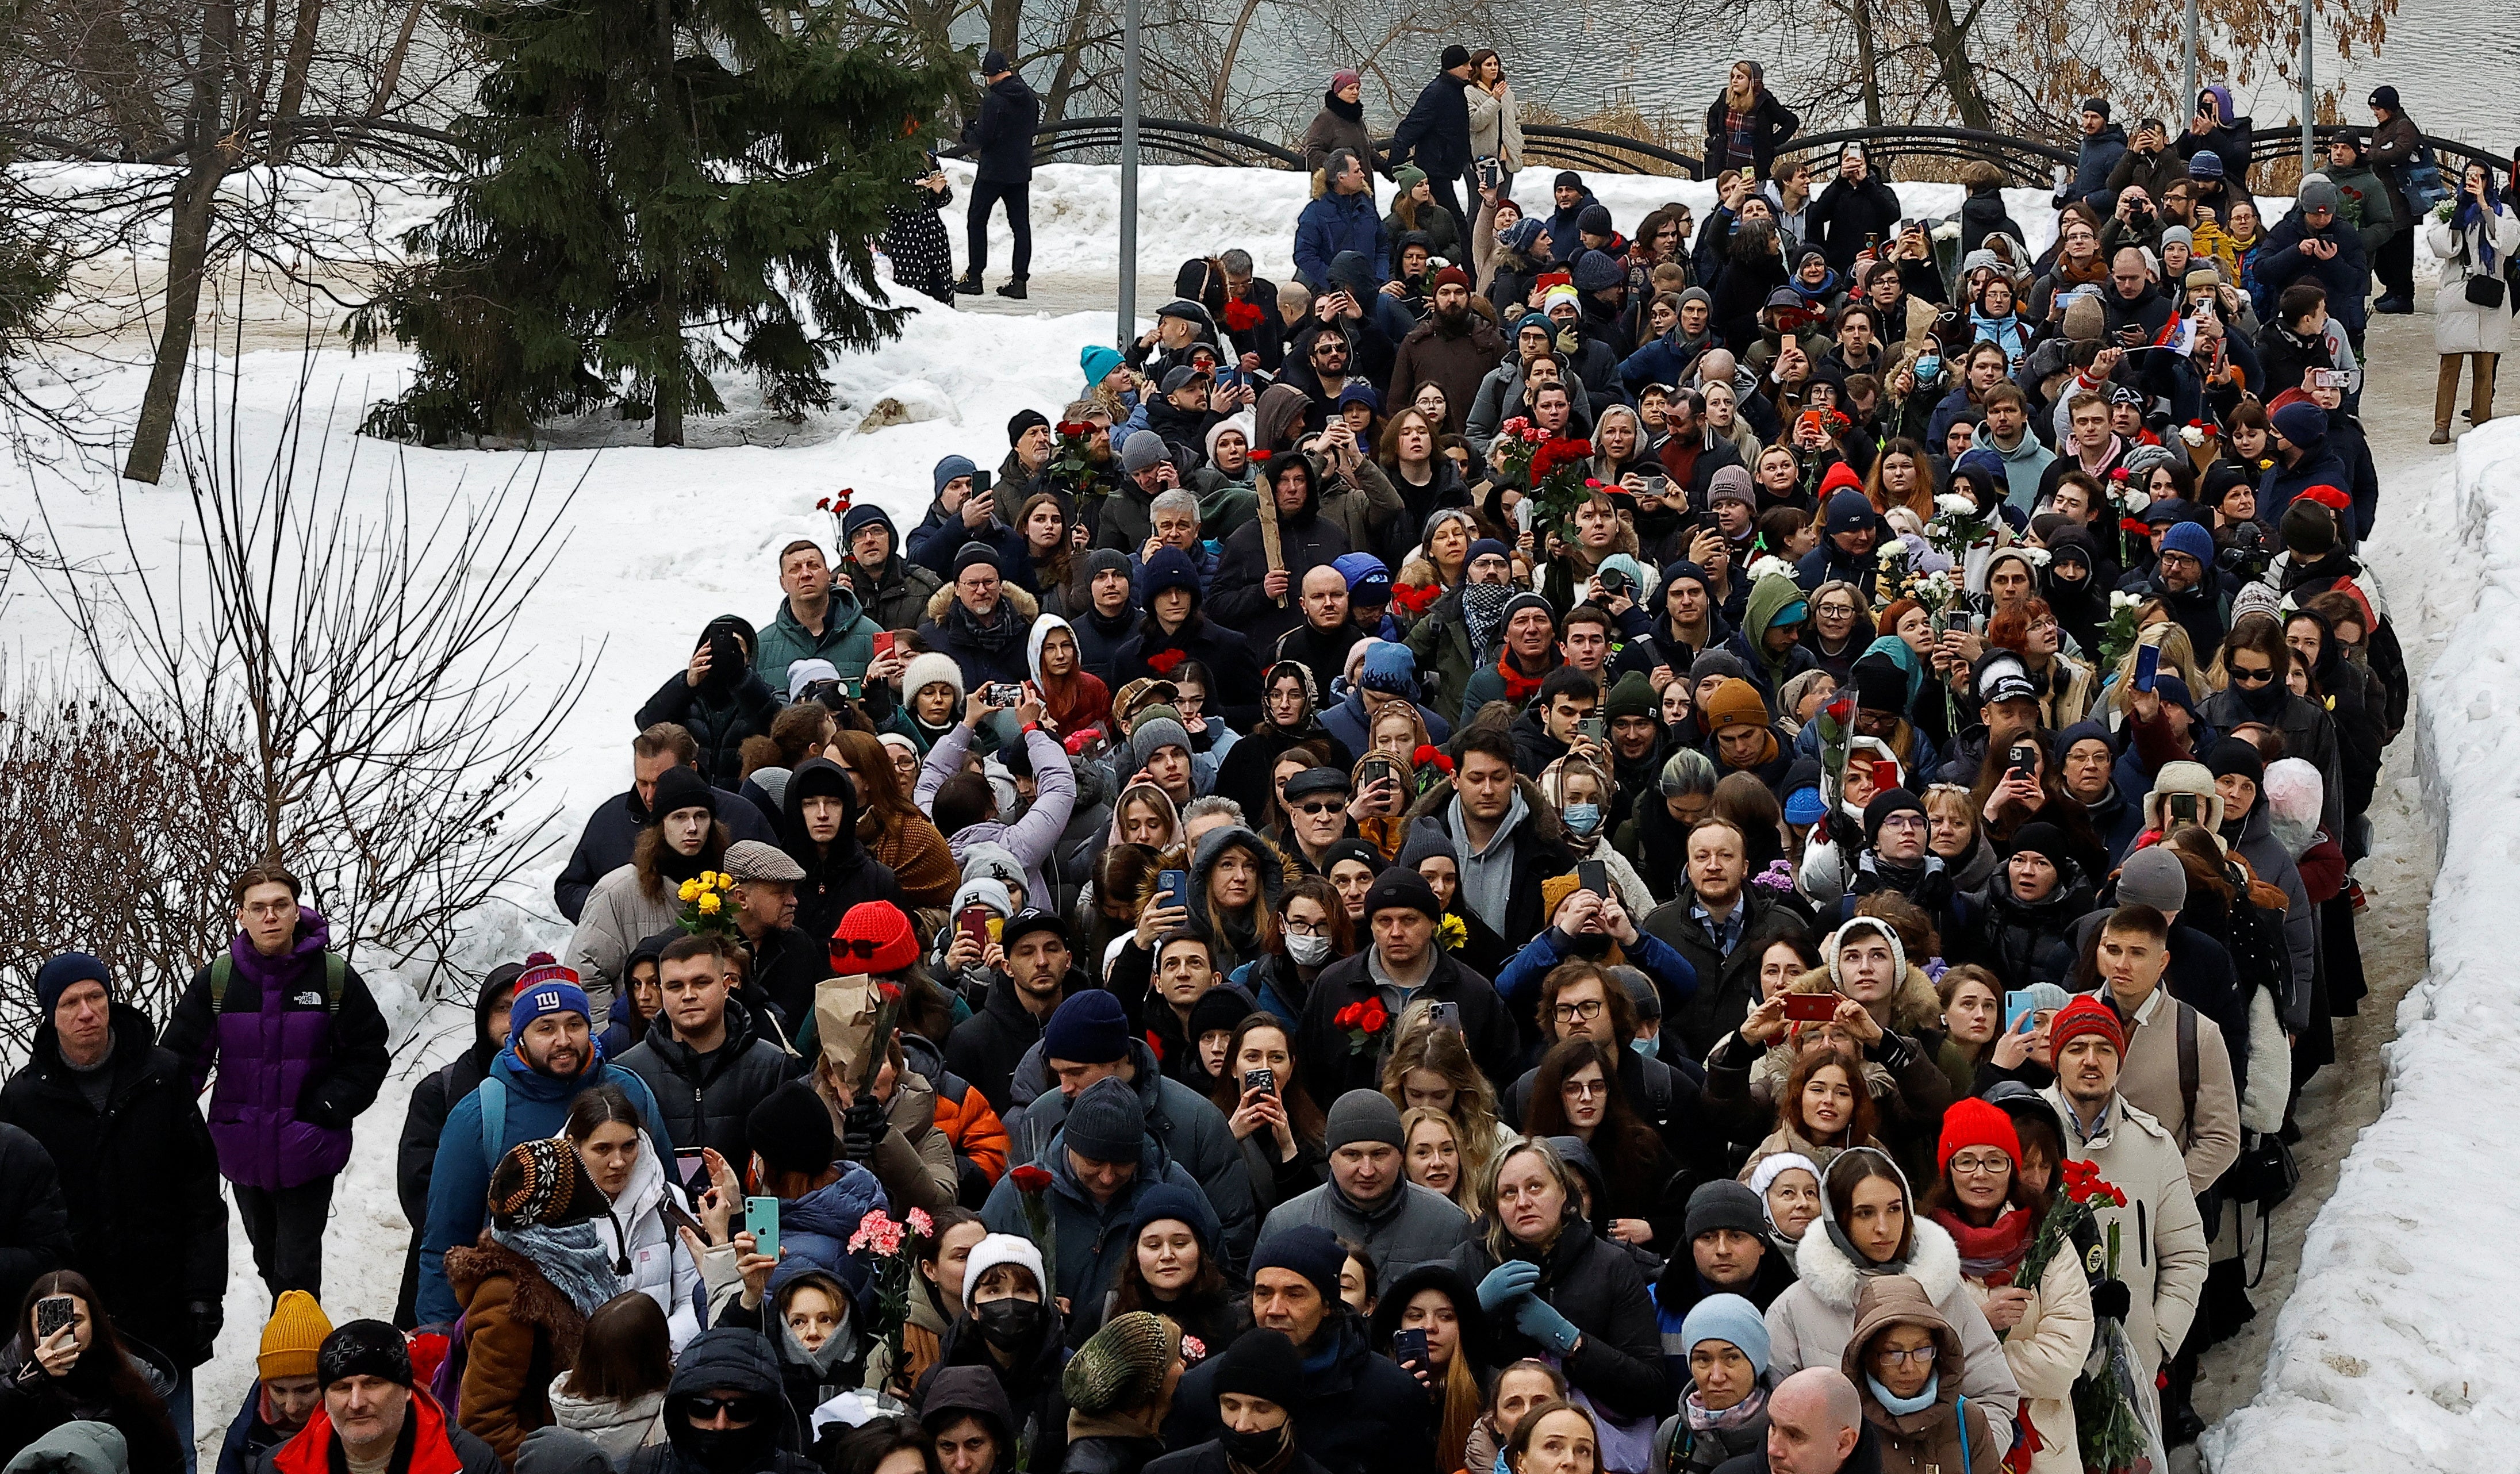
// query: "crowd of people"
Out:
[1278,932]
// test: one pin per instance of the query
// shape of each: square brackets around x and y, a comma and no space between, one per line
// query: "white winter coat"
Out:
[2461,326]
[1495,128]
[618,1428]
[2045,1349]
[1811,1322]
[2161,1238]
[661,1268]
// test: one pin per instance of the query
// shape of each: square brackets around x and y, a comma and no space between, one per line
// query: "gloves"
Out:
[205,1316]
[1512,1280]
[1538,1319]
[2111,1300]
[861,1126]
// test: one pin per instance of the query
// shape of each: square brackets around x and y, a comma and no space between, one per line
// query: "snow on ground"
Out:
[2394,1350]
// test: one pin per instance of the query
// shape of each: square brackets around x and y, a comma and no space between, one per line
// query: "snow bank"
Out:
[2397,1349]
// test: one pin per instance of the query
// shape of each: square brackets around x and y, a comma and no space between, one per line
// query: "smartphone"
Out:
[1373,771]
[1261,1079]
[2024,756]
[1174,886]
[2147,663]
[980,482]
[693,1165]
[2187,808]
[973,923]
[1593,875]
[1811,1008]
[1003,693]
[54,1312]
[1750,174]
[1885,774]
[1447,1016]
[761,1220]
[1409,1346]
[2016,1008]
[1590,729]
[883,644]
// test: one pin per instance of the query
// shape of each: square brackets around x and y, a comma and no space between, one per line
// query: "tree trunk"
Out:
[1216,96]
[187,247]
[669,369]
[1071,53]
[1950,58]
[1868,63]
[292,74]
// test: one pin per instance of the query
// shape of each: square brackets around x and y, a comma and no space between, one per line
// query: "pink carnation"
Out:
[921,1224]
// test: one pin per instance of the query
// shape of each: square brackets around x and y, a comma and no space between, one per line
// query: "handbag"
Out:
[2485,291]
[2264,1173]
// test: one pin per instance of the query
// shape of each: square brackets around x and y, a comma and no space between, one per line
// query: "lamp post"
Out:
[1129,173]
[2309,93]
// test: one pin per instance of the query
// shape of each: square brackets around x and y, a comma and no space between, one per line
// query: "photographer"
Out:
[2148,163]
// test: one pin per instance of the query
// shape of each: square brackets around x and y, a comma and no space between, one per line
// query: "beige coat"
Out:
[2045,1349]
[2149,1078]
[1496,131]
[2161,1240]
[617,918]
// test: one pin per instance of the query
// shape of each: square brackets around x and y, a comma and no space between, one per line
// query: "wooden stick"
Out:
[1270,549]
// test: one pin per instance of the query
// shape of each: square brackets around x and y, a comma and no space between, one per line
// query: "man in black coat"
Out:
[704,1058]
[612,832]
[787,961]
[1037,976]
[1248,592]
[1264,1375]
[138,1173]
[1001,143]
[1721,926]
[1858,209]
[424,1119]
[1177,629]
[35,1220]
[1437,130]
[1353,1412]
[1401,918]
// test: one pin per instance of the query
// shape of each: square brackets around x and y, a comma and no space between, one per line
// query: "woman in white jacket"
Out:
[1496,124]
[1993,1216]
[603,1127]
[2473,244]
[1867,1228]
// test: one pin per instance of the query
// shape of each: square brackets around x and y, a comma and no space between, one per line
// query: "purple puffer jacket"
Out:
[275,1035]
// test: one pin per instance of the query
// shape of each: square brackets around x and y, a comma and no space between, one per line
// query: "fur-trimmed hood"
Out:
[531,1299]
[1022,601]
[1934,1262]
[1916,1005]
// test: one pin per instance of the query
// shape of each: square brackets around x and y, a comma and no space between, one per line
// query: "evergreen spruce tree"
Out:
[659,188]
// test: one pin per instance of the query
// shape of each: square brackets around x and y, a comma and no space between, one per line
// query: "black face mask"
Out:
[727,1448]
[1008,1324]
[1253,1450]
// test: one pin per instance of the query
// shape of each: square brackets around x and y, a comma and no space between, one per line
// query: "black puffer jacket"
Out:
[731,1359]
[2024,941]
[705,1097]
[140,1179]
[35,1220]
[720,712]
[837,875]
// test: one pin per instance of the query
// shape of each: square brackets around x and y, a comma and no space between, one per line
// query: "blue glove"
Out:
[1538,1319]
[1512,1280]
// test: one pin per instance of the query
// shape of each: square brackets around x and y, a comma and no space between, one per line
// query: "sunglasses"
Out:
[855,947]
[1332,806]
[2253,676]
[742,1410]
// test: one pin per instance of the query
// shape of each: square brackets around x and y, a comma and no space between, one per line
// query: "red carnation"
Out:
[1260,455]
[1241,317]
[888,992]
[1077,427]
[1030,1179]
[2118,473]
[2133,525]
[1417,599]
[1426,752]
[1345,1018]
[1163,661]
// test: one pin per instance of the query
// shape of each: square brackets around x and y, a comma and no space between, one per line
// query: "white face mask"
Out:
[1308,952]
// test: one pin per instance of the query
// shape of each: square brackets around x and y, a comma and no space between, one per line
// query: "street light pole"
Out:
[2188,75]
[2309,93]
[1129,173]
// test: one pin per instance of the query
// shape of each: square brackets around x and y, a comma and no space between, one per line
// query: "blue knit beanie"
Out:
[2192,539]
[55,978]
[1090,1028]
[951,466]
[1728,1318]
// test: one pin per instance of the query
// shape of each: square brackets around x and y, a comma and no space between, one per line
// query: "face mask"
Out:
[1648,1048]
[1308,952]
[1007,1323]
[1253,1450]
[1928,367]
[1583,819]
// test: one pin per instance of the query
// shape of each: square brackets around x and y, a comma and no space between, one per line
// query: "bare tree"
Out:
[359,656]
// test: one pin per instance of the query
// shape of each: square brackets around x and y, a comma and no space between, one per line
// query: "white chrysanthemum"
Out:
[1767,563]
[2038,556]
[1892,552]
[2191,434]
[1953,503]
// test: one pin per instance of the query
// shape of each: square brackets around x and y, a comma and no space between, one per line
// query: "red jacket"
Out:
[432,1447]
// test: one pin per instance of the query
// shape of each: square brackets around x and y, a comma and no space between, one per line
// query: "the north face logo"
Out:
[307,1001]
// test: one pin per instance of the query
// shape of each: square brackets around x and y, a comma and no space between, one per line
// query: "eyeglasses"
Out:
[1589,1009]
[1972,1163]
[1921,1356]
[742,1411]
[2257,675]
[1585,1090]
[1296,928]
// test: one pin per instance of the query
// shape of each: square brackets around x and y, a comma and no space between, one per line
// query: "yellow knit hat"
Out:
[297,1326]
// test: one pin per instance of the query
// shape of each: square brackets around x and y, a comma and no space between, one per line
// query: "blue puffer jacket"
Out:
[1334,223]
[815,1229]
[1092,1240]
[530,1104]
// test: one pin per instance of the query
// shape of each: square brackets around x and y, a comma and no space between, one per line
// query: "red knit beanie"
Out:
[1975,1123]
[2085,1014]
[874,937]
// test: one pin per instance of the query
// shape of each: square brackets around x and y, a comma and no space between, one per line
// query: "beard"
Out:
[1453,322]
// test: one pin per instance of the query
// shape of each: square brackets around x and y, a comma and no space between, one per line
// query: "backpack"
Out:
[337,977]
[2425,187]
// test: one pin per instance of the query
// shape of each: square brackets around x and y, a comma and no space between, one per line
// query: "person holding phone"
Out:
[1430,1323]
[77,1368]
